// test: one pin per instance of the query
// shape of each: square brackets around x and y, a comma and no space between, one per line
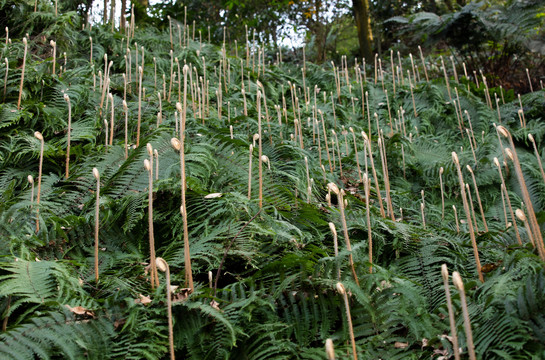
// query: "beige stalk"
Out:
[457,280]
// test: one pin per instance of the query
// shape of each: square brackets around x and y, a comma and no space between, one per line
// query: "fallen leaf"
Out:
[80,310]
[182,295]
[142,299]
[400,345]
[213,195]
[119,322]
[215,305]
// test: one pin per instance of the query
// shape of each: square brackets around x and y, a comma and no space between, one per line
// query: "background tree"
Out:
[360,9]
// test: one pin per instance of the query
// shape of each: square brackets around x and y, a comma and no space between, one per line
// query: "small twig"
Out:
[228,248]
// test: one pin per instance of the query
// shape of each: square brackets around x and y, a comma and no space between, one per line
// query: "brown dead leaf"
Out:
[119,322]
[144,300]
[424,342]
[80,310]
[400,345]
[181,295]
[215,305]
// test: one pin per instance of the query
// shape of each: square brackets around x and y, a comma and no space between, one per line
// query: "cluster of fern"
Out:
[307,217]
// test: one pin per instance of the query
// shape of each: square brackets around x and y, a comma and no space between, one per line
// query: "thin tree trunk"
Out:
[363,24]
[105,12]
[123,11]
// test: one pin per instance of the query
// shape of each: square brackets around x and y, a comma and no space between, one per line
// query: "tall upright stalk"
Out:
[6,78]
[356,153]
[67,168]
[377,186]
[25,42]
[457,280]
[366,183]
[468,216]
[148,165]
[39,136]
[531,138]
[508,200]
[260,149]
[341,290]
[478,197]
[183,114]
[111,99]
[96,174]
[54,61]
[520,215]
[340,199]
[31,182]
[139,106]
[452,321]
[456,218]
[442,193]
[325,141]
[329,349]
[250,172]
[382,149]
[335,248]
[162,265]
[126,110]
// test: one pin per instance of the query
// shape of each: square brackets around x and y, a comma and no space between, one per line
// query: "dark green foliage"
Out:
[275,295]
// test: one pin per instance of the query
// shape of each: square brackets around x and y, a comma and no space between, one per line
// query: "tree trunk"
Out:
[123,11]
[105,12]
[363,24]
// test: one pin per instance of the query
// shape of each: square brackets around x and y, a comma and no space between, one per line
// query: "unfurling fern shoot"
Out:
[25,42]
[183,208]
[504,189]
[531,138]
[260,149]
[442,192]
[377,187]
[309,189]
[96,174]
[6,78]
[250,172]
[329,349]
[156,156]
[67,169]
[452,321]
[478,197]
[148,165]
[457,280]
[31,181]
[325,141]
[525,195]
[139,106]
[126,110]
[54,61]
[335,248]
[384,160]
[367,185]
[338,151]
[423,63]
[520,215]
[468,215]
[423,215]
[470,202]
[341,290]
[39,136]
[162,265]
[356,153]
[111,98]
[106,134]
[340,199]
